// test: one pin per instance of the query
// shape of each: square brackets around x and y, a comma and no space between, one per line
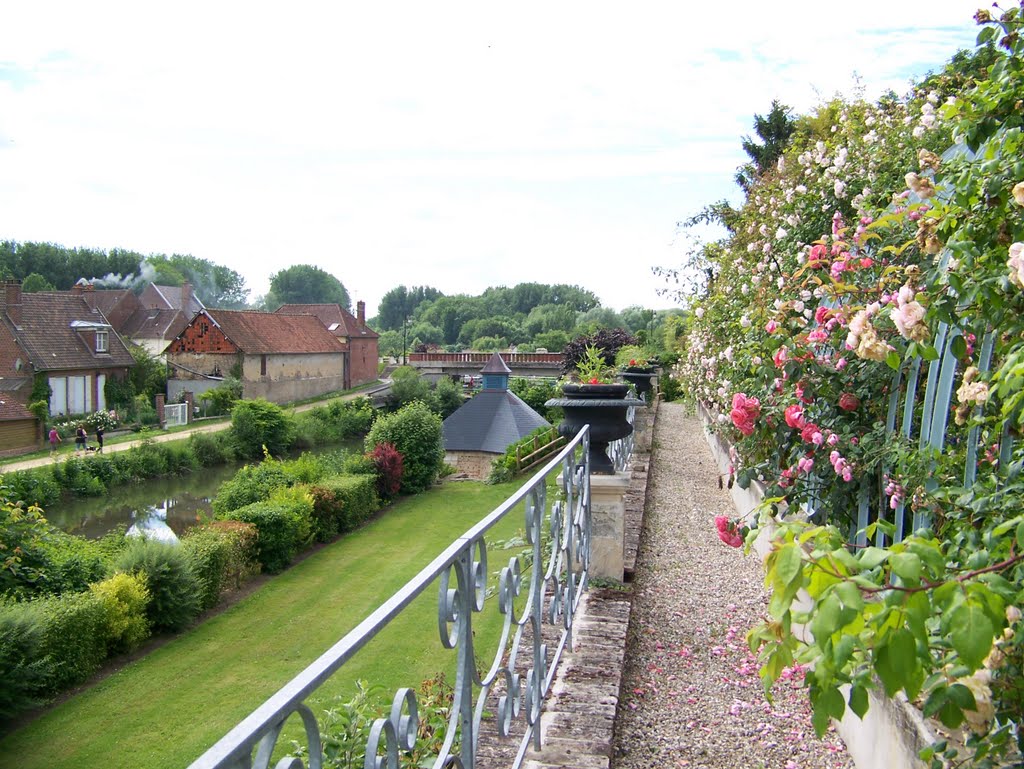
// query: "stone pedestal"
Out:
[608,524]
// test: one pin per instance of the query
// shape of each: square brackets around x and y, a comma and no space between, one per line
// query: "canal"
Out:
[160,508]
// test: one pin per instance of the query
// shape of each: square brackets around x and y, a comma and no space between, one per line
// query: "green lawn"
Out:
[167,708]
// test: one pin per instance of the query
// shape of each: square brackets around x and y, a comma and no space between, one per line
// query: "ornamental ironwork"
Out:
[538,593]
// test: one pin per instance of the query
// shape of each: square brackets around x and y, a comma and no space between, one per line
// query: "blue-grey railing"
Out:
[522,665]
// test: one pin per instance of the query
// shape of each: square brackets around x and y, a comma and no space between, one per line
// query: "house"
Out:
[359,341]
[487,424]
[57,334]
[153,319]
[276,356]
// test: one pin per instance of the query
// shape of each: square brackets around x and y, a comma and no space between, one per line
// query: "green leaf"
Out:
[971,633]
[788,564]
[843,649]
[958,346]
[895,660]
[1020,535]
[826,619]
[850,595]
[871,557]
[907,566]
[892,360]
[859,700]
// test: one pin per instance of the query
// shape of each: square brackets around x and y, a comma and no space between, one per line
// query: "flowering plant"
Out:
[631,357]
[591,368]
[731,532]
[889,236]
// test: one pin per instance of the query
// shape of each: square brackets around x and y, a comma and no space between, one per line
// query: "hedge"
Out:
[356,496]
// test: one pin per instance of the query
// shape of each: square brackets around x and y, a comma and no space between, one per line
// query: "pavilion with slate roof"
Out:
[483,427]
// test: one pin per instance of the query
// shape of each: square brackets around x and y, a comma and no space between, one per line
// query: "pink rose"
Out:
[849,402]
[808,431]
[780,357]
[771,327]
[795,416]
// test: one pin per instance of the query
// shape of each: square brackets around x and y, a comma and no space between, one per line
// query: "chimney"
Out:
[361,313]
[186,298]
[10,300]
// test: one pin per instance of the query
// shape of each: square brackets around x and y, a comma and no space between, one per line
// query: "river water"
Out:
[160,508]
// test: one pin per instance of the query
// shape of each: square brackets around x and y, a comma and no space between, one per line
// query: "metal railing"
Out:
[522,666]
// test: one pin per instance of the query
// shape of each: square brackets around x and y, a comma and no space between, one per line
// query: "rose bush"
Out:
[890,235]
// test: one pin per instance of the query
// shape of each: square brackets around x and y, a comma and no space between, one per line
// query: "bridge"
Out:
[434,365]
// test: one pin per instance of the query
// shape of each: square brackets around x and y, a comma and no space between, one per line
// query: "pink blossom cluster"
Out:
[895,492]
[728,531]
[842,468]
[744,411]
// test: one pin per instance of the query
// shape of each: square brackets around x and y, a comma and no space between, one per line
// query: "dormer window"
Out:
[102,341]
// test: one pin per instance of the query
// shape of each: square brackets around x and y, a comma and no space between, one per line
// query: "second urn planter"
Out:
[605,408]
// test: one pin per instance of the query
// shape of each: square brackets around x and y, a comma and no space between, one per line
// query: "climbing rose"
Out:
[728,532]
[849,402]
[1016,263]
[780,357]
[1018,193]
[795,416]
[744,411]
[809,431]
[771,326]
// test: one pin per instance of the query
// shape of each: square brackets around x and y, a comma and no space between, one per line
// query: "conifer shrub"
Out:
[124,598]
[174,587]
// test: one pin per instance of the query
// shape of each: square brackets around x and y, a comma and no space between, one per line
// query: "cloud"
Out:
[460,146]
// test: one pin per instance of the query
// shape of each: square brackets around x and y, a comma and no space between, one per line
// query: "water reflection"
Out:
[151,523]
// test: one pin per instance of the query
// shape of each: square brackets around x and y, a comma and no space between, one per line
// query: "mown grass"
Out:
[166,709]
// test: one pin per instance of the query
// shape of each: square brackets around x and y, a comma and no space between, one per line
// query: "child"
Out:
[54,440]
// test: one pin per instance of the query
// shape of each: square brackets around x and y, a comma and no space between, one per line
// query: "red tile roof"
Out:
[344,322]
[258,333]
[45,332]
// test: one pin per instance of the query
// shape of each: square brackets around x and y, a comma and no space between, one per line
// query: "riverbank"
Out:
[162,437]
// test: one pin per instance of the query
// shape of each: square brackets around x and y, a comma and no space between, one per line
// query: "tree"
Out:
[774,131]
[34,282]
[259,425]
[401,303]
[305,284]
[446,397]
[407,385]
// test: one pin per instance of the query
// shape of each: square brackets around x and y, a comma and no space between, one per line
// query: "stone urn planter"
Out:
[605,408]
[641,377]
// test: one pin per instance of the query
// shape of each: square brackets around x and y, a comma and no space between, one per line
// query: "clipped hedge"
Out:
[23,670]
[74,642]
[243,550]
[252,483]
[356,498]
[284,524]
[209,552]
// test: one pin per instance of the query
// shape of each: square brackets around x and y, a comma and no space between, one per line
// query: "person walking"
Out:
[99,439]
[54,440]
[80,436]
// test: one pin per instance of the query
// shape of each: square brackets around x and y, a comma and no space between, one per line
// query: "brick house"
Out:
[359,341]
[58,335]
[276,356]
[153,319]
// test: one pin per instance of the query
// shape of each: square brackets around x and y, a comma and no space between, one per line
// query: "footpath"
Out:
[661,676]
[68,451]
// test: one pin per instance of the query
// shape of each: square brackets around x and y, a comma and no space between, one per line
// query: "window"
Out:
[101,341]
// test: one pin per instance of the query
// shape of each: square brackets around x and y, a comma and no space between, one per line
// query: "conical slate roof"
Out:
[490,422]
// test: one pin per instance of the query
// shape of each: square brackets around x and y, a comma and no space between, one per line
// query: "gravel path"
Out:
[691,696]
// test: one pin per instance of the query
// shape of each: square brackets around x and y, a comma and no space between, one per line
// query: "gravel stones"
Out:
[691,695]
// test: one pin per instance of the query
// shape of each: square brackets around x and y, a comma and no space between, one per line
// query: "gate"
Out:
[175,414]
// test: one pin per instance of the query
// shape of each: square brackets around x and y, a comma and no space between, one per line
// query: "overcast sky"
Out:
[456,145]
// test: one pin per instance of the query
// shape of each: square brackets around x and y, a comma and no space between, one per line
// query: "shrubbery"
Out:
[23,671]
[243,553]
[209,552]
[356,496]
[124,598]
[175,589]
[334,422]
[416,432]
[258,425]
[253,483]
[387,461]
[74,642]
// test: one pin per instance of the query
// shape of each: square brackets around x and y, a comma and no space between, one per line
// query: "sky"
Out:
[449,144]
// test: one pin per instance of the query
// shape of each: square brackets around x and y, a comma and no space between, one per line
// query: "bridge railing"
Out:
[484,357]
[517,672]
